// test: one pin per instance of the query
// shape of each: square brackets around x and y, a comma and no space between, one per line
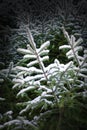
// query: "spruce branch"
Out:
[72,44]
[74,48]
[31,40]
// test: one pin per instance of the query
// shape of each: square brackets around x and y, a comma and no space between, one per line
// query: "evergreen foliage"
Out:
[51,79]
[49,92]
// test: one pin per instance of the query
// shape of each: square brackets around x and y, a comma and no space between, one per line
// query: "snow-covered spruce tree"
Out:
[8,118]
[79,60]
[42,87]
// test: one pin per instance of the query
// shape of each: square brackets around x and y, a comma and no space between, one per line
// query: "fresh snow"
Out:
[26,89]
[24,51]
[65,46]
[44,46]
